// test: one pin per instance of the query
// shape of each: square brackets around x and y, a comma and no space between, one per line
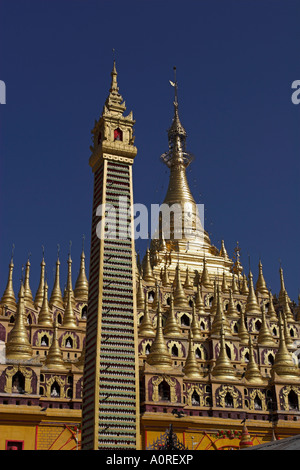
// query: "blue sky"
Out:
[236,61]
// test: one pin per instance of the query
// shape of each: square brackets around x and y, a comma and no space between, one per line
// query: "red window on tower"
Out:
[14,445]
[118,134]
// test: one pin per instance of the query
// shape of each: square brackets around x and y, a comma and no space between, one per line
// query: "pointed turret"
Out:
[39,296]
[147,271]
[180,299]
[56,295]
[69,320]
[286,308]
[283,363]
[224,287]
[271,309]
[8,297]
[69,286]
[252,307]
[199,301]
[245,439]
[146,326]
[140,298]
[223,368]
[231,311]
[265,337]
[220,321]
[188,282]
[159,355]
[18,345]
[172,327]
[194,325]
[234,285]
[165,277]
[54,359]
[245,289]
[81,291]
[261,287]
[177,158]
[191,369]
[252,373]
[45,316]
[223,251]
[205,279]
[156,297]
[242,329]
[28,294]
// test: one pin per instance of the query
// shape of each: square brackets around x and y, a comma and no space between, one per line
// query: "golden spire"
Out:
[265,337]
[252,306]
[234,286]
[56,295]
[159,354]
[114,102]
[281,296]
[171,326]
[283,363]
[194,325]
[69,320]
[199,301]
[223,368]
[8,297]
[81,290]
[205,280]
[242,331]
[223,251]
[245,439]
[28,294]
[45,316]
[180,299]
[231,311]
[271,309]
[245,289]
[18,345]
[220,321]
[40,292]
[156,297]
[288,339]
[165,277]
[224,287]
[213,307]
[261,287]
[286,308]
[54,359]
[146,326]
[140,298]
[188,282]
[147,271]
[69,287]
[252,373]
[178,159]
[191,368]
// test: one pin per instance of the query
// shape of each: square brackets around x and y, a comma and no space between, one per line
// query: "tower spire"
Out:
[56,295]
[40,292]
[18,345]
[81,290]
[8,297]
[28,293]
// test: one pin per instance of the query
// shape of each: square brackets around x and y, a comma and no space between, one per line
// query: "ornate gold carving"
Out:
[232,391]
[199,390]
[261,396]
[171,382]
[60,381]
[27,373]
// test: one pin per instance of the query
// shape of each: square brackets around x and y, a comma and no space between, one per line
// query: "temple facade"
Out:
[184,338]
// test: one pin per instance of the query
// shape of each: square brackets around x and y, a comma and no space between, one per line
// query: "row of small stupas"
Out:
[42,336]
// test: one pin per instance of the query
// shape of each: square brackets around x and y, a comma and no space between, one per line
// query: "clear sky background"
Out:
[236,61]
